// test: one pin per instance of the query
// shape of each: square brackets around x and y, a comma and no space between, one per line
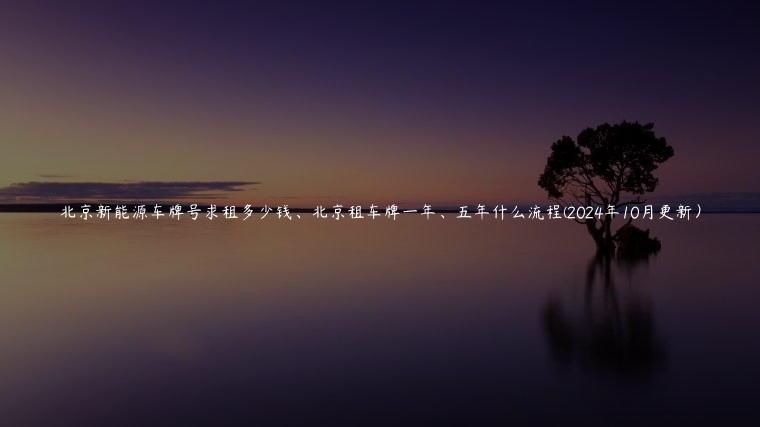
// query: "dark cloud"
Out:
[147,190]
[55,176]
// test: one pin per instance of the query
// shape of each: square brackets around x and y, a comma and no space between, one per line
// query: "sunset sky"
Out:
[433,103]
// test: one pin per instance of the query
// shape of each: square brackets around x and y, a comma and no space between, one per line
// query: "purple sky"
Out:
[436,101]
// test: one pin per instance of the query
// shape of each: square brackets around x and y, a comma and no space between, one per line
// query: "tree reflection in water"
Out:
[607,332]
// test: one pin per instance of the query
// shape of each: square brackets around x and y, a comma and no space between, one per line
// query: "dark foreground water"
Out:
[375,323]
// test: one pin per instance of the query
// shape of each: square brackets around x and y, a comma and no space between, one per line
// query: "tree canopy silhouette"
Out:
[610,165]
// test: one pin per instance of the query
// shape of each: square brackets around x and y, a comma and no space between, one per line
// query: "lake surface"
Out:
[374,323]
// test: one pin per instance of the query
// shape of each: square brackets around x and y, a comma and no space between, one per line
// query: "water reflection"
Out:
[609,331]
[373,324]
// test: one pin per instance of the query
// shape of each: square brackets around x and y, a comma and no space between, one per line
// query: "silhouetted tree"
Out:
[608,165]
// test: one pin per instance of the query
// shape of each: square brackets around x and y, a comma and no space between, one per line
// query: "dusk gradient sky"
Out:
[432,102]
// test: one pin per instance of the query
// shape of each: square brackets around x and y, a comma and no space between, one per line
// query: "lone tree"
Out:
[610,165]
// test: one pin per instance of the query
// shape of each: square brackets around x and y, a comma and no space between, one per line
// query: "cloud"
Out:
[55,176]
[147,190]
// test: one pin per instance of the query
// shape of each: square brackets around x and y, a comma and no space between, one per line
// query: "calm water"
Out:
[342,323]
